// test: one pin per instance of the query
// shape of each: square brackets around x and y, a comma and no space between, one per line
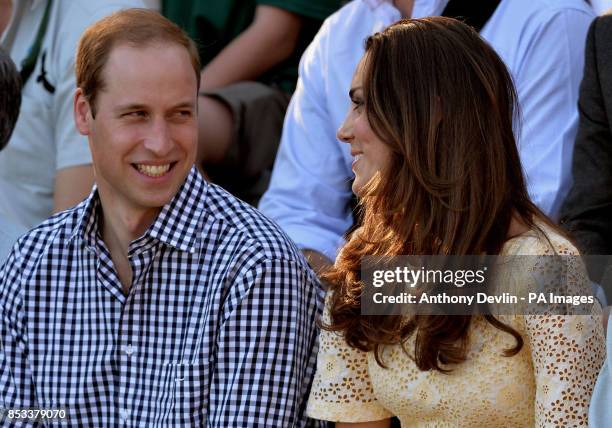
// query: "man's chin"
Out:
[156,201]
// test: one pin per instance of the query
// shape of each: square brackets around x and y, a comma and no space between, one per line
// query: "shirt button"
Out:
[129,350]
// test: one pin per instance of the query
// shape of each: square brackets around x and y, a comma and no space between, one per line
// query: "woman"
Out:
[438,173]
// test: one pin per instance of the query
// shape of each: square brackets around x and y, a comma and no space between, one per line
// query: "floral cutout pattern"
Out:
[548,383]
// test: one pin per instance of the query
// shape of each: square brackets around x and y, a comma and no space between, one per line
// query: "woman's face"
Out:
[370,153]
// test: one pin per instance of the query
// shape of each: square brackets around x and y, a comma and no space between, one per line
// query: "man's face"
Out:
[143,138]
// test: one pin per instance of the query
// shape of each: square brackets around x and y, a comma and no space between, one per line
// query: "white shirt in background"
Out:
[45,138]
[601,6]
[542,43]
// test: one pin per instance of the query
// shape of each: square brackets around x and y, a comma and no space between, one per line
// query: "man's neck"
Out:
[119,227]
[405,7]
[6,8]
[124,227]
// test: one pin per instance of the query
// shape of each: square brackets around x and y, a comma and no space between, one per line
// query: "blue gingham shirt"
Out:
[218,327]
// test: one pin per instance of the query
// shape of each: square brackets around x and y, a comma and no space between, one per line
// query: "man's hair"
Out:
[134,27]
[10,97]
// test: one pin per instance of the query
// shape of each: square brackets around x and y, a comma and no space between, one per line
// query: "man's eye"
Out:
[135,114]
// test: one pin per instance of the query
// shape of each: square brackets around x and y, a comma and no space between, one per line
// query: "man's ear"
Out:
[82,112]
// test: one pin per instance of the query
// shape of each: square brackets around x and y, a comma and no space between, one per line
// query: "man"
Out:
[47,166]
[10,100]
[541,42]
[160,300]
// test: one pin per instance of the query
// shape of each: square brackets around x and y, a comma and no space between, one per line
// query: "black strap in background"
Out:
[29,62]
[474,13]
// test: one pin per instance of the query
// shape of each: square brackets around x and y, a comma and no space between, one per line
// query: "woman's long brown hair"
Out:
[444,102]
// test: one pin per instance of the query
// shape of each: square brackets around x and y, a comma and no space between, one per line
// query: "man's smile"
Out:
[153,170]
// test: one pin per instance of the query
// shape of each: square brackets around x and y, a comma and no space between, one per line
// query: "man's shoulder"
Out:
[250,225]
[9,232]
[56,230]
[546,9]
[538,27]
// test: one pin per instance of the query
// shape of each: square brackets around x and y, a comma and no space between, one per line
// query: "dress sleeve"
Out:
[342,390]
[567,353]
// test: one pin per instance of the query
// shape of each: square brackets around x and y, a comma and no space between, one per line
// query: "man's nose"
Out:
[158,140]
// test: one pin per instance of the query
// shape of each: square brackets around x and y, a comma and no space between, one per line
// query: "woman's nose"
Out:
[344,133]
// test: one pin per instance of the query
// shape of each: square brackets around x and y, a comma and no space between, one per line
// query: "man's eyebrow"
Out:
[131,106]
[137,106]
[353,90]
[186,104]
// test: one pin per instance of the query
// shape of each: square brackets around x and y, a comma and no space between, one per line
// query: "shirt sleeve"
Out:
[567,353]
[342,390]
[72,147]
[16,385]
[547,82]
[266,349]
[309,194]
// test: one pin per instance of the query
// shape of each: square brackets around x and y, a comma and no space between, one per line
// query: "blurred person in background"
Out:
[10,101]
[46,167]
[587,211]
[250,52]
[541,42]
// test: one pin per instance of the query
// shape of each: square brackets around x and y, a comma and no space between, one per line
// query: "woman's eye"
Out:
[356,104]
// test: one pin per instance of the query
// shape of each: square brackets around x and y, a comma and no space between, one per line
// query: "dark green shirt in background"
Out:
[213,24]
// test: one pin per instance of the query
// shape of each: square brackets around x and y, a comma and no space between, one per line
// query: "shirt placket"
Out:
[129,346]
[106,277]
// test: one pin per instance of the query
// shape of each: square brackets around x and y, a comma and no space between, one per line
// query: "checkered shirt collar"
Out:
[176,225]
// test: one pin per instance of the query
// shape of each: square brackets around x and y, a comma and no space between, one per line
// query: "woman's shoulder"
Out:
[541,240]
